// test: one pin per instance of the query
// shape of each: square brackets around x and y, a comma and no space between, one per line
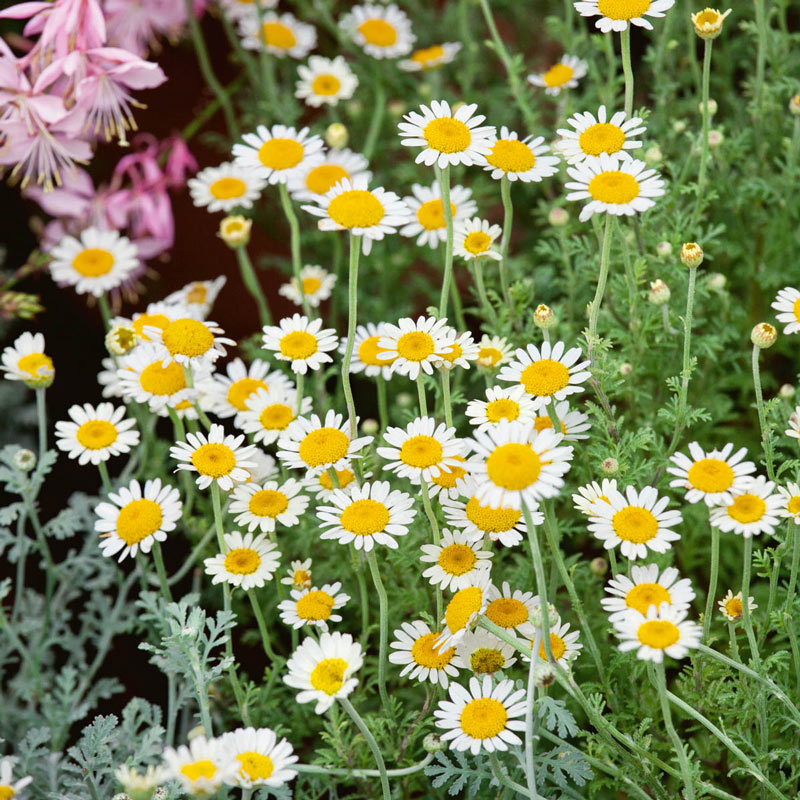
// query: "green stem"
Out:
[383,604]
[448,407]
[316,769]
[158,558]
[352,306]
[105,311]
[251,283]
[761,27]
[541,584]
[378,111]
[625,45]
[371,743]
[383,408]
[712,583]
[423,403]
[443,176]
[41,417]
[267,67]
[103,469]
[505,242]
[701,175]
[477,273]
[748,622]
[601,286]
[262,626]
[794,569]
[530,712]
[294,240]
[766,440]
[300,387]
[426,504]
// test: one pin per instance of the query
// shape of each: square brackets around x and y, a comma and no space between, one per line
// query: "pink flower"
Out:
[137,25]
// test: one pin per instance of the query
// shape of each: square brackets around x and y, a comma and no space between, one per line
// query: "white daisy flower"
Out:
[134,519]
[712,476]
[753,509]
[427,212]
[323,670]
[26,361]
[464,608]
[138,784]
[447,138]
[95,433]
[367,515]
[248,561]
[588,495]
[316,446]
[301,341]
[313,606]
[473,238]
[281,34]
[563,75]
[501,403]
[269,414]
[159,315]
[317,286]
[413,346]
[414,647]
[202,767]
[314,178]
[731,606]
[593,136]
[462,350]
[574,424]
[456,560]
[322,486]
[483,718]
[263,760]
[614,185]
[191,342]
[366,352]
[493,352]
[646,588]
[519,159]
[664,631]
[793,430]
[216,458]
[298,575]
[430,57]
[483,653]
[616,14]
[451,482]
[276,153]
[325,81]
[790,502]
[564,645]
[381,31]
[229,392]
[512,610]
[7,781]
[236,9]
[95,263]
[421,450]
[517,464]
[263,506]
[548,373]
[638,521]
[787,303]
[197,296]
[226,187]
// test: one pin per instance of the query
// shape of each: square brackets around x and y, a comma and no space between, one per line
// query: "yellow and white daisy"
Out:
[276,153]
[138,784]
[235,9]
[216,458]
[450,482]
[352,206]
[381,31]
[263,506]
[588,495]
[712,476]
[322,486]
[593,136]
[613,185]
[413,346]
[414,647]
[157,315]
[663,631]
[302,342]
[134,519]
[317,286]
[226,187]
[95,263]
[192,343]
[753,509]
[26,361]
[731,606]
[269,414]
[248,561]
[325,81]
[793,430]
[456,560]
[263,760]
[366,515]
[430,57]
[427,212]
[574,424]
[313,606]
[616,14]
[787,303]
[646,588]
[464,608]
[95,433]
[484,654]
[512,610]
[281,35]
[316,177]
[463,350]
[519,159]
[366,352]
[298,575]
[316,445]
[231,391]
[517,464]
[549,373]
[421,450]
[564,645]
[447,137]
[483,718]
[638,521]
[473,238]
[563,75]
[790,502]
[197,296]
[201,768]
[501,403]
[493,352]
[323,670]
[8,785]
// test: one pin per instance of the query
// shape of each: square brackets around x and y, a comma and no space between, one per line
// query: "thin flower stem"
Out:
[300,389]
[378,111]
[429,513]
[541,584]
[530,742]
[262,626]
[352,306]
[267,66]
[41,417]
[766,441]
[601,286]
[158,559]
[505,242]
[371,743]
[612,560]
[383,407]
[734,643]
[477,273]
[316,769]
[294,241]
[443,176]
[458,306]
[383,604]
[103,469]
[701,175]
[448,407]
[105,311]
[423,403]
[712,583]
[794,569]
[761,28]
[193,556]
[625,46]
[748,622]
[250,280]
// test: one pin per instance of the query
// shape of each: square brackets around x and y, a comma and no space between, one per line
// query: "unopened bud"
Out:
[659,292]
[717,281]
[610,467]
[794,105]
[537,615]
[544,317]
[599,566]
[432,743]
[712,107]
[691,255]
[24,459]
[663,250]
[121,339]
[715,138]
[708,23]
[404,400]
[679,126]
[370,426]
[653,156]
[543,675]
[763,335]
[336,136]
[625,369]
[19,305]
[558,217]
[235,231]
[786,392]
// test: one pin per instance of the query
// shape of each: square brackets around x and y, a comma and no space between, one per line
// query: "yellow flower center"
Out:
[483,718]
[426,654]
[326,85]
[345,478]
[421,452]
[356,208]
[301,577]
[601,138]
[315,606]
[242,561]
[793,506]
[513,466]
[544,377]
[658,633]
[796,309]
[199,769]
[279,36]
[634,524]
[187,337]
[504,408]
[491,520]
[150,320]
[280,153]
[415,346]
[747,508]
[96,434]
[511,155]
[368,352]
[447,135]
[6,792]
[507,612]
[138,520]
[311,285]
[431,214]
[378,32]
[93,262]
[33,362]
[450,475]
[298,345]
[558,75]
[644,595]
[734,608]
[197,293]
[328,675]
[708,18]
[542,423]
[456,351]
[428,54]
[324,446]
[613,187]
[457,559]
[489,356]
[623,9]
[324,177]
[158,380]
[268,503]
[711,475]
[486,661]
[365,517]
[214,459]
[276,417]
[240,390]
[462,606]
[557,647]
[477,242]
[228,188]
[255,765]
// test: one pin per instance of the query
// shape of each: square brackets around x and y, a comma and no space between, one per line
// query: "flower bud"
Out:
[558,217]
[121,339]
[691,255]
[432,743]
[610,467]
[663,250]
[679,126]
[544,317]
[717,281]
[537,615]
[543,675]
[24,459]
[19,305]
[370,426]
[625,369]
[715,139]
[599,566]
[794,104]
[708,23]
[404,400]
[763,335]
[653,155]
[659,292]
[336,136]
[235,231]
[712,107]
[786,392]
